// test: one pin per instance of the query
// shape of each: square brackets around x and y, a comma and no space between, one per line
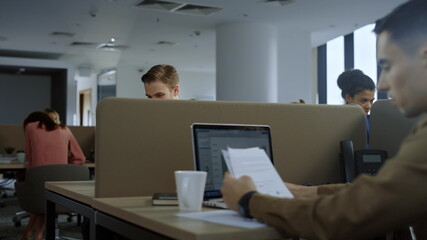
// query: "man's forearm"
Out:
[302,191]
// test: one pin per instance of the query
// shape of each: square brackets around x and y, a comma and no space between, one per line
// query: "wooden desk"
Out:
[76,196]
[82,191]
[13,165]
[136,218]
[18,165]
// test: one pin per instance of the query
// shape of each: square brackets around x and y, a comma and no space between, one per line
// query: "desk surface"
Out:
[18,165]
[12,166]
[82,191]
[162,219]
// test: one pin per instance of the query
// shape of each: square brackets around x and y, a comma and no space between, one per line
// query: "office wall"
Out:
[21,95]
[69,97]
[197,85]
[58,89]
[129,82]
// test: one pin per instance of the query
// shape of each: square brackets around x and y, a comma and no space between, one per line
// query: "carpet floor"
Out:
[8,230]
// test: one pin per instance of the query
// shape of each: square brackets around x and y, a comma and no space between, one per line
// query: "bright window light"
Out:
[335,66]
[365,51]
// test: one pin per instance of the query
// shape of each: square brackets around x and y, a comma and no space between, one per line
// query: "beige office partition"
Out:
[140,142]
[12,136]
[389,126]
[85,136]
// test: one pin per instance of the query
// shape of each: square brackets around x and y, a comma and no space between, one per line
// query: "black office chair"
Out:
[3,189]
[6,179]
[31,192]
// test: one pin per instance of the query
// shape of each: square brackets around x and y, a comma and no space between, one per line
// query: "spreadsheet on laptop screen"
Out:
[210,139]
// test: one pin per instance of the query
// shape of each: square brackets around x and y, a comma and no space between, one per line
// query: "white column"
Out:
[295,73]
[246,62]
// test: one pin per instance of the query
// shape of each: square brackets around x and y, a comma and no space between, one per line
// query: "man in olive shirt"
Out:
[372,205]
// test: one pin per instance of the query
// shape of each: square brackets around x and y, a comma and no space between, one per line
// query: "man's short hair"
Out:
[407,25]
[163,72]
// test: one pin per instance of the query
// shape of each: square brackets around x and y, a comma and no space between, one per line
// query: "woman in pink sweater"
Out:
[47,142]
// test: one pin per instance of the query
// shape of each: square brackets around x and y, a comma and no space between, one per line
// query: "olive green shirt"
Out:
[369,207]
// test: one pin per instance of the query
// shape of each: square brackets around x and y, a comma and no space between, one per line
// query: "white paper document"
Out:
[255,163]
[227,217]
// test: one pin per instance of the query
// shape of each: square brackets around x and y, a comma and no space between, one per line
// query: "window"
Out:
[365,51]
[334,67]
[361,49]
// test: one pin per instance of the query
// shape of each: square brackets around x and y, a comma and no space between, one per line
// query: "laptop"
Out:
[208,141]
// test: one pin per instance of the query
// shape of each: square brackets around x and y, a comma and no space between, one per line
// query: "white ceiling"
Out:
[26,27]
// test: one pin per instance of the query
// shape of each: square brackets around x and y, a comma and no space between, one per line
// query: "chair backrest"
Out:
[31,192]
[389,127]
[141,142]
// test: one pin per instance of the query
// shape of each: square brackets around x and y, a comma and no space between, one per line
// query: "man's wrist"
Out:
[243,205]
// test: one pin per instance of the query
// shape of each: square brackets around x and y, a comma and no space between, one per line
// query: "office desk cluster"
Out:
[138,148]
[140,143]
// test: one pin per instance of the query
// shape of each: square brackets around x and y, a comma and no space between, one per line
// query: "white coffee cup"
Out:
[190,188]
[20,156]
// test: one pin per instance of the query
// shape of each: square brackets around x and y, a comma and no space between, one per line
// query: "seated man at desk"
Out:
[161,82]
[371,205]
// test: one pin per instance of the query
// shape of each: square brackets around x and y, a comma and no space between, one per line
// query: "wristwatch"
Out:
[243,205]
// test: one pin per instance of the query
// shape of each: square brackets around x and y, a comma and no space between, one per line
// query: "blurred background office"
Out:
[69,55]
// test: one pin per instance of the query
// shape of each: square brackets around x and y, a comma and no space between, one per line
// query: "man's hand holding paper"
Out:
[250,170]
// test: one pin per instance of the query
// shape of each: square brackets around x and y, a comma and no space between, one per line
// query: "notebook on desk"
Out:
[208,141]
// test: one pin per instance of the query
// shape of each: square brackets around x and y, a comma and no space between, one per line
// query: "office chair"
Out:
[31,192]
[3,189]
[6,179]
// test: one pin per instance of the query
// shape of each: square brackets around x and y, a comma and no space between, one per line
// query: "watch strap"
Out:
[244,204]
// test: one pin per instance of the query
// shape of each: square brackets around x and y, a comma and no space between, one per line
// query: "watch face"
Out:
[241,210]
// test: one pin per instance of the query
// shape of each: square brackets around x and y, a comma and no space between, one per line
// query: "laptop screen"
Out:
[210,139]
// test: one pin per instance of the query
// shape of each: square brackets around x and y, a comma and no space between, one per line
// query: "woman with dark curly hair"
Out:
[357,88]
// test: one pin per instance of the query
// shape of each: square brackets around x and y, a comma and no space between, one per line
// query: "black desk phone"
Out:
[365,161]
